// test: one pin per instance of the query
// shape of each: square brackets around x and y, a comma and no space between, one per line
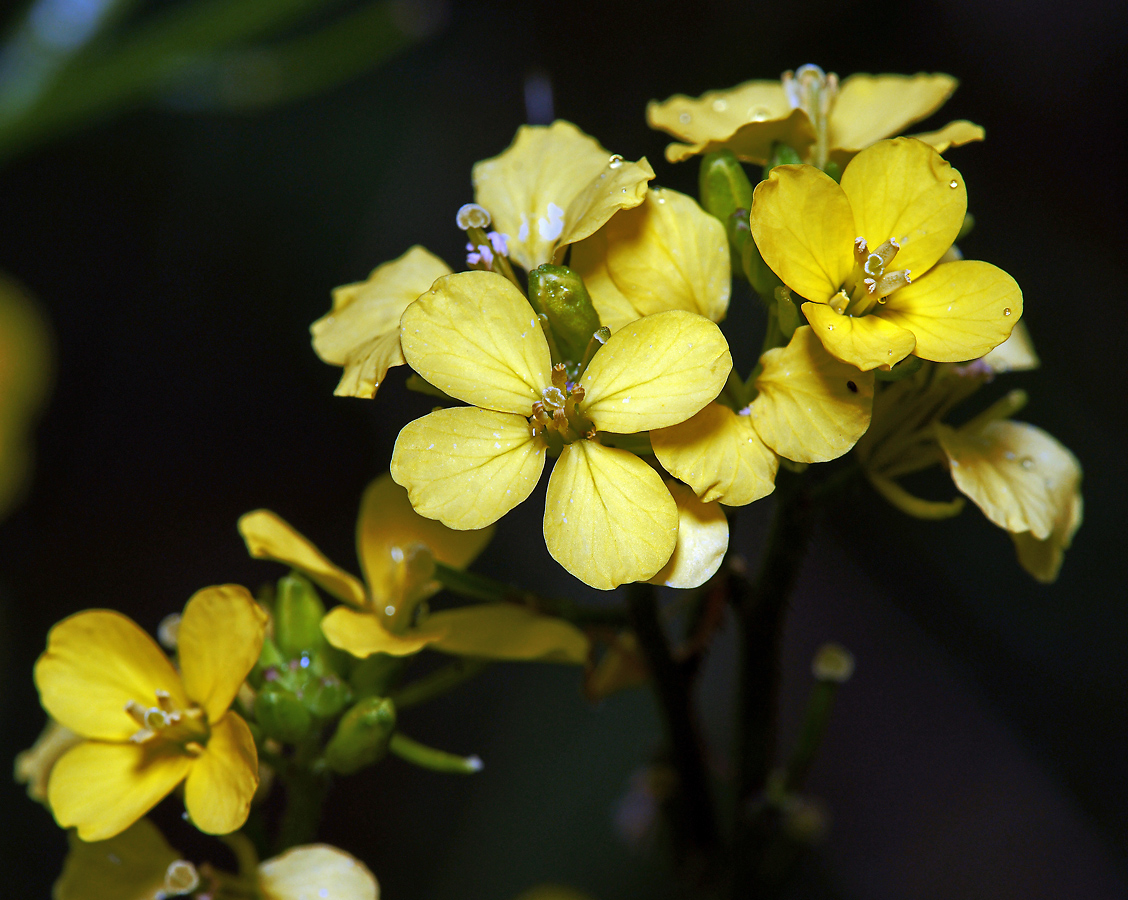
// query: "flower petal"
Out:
[905,190]
[101,789]
[96,663]
[863,341]
[1022,478]
[804,229]
[474,336]
[608,519]
[467,467]
[811,406]
[362,634]
[655,372]
[1015,354]
[361,331]
[703,537]
[666,254]
[718,114]
[33,766]
[131,866]
[223,779]
[955,134]
[1043,559]
[718,454]
[553,186]
[958,311]
[268,536]
[506,631]
[872,107]
[387,521]
[316,870]
[219,642]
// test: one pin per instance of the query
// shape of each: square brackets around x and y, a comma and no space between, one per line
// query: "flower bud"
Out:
[362,736]
[281,715]
[326,696]
[561,293]
[298,612]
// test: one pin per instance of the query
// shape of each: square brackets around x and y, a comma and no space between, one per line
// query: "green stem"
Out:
[305,795]
[439,682]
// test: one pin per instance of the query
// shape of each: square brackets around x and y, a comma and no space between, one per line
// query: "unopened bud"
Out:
[726,193]
[281,715]
[562,295]
[298,612]
[362,736]
[326,696]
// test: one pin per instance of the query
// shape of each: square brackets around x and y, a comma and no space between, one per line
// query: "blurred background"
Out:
[180,212]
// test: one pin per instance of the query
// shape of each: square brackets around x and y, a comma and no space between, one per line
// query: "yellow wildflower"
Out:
[808,111]
[148,727]
[608,517]
[899,204]
[703,538]
[398,549]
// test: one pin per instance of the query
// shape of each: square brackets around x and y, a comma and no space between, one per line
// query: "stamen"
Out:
[554,397]
[887,251]
[861,250]
[889,282]
[560,377]
[578,393]
[471,215]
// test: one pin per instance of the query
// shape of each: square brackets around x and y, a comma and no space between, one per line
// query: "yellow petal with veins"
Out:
[954,134]
[219,641]
[506,631]
[719,454]
[811,407]
[666,254]
[223,779]
[716,115]
[608,519]
[703,537]
[130,866]
[804,229]
[958,311]
[102,789]
[475,337]
[753,142]
[268,536]
[316,870]
[904,190]
[872,107]
[361,331]
[863,341]
[363,633]
[655,372]
[96,663]
[467,467]
[1043,559]
[553,186]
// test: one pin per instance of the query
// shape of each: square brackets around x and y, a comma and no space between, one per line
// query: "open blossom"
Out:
[865,256]
[146,726]
[608,517]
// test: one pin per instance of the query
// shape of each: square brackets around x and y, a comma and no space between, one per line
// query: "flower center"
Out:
[556,417]
[186,727]
[810,89]
[871,281]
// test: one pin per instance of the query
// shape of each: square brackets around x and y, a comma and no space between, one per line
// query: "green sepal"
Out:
[833,170]
[763,280]
[562,295]
[298,612]
[326,696]
[362,736]
[281,715]
[726,194]
[782,155]
[787,313]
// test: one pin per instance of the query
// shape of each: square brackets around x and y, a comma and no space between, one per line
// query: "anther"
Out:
[889,282]
[578,393]
[471,215]
[839,302]
[861,250]
[559,376]
[554,397]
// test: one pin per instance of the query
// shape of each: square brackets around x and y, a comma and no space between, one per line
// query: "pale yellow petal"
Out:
[804,229]
[872,107]
[316,872]
[475,337]
[905,191]
[655,372]
[954,134]
[958,311]
[555,185]
[1016,353]
[96,663]
[362,634]
[223,779]
[718,454]
[33,766]
[666,254]
[361,331]
[811,407]
[703,538]
[718,114]
[268,536]
[1022,478]
[608,519]
[467,467]
[101,789]
[219,641]
[867,342]
[130,866]
[506,631]
[754,141]
[1043,559]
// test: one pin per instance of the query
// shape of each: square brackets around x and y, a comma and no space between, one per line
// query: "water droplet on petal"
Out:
[1006,312]
[1026,462]
[758,113]
[953,184]
[685,118]
[615,161]
[830,328]
[720,105]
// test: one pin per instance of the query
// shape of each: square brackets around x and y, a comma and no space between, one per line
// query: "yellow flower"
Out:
[809,407]
[398,549]
[148,727]
[608,517]
[803,107]
[864,254]
[703,538]
[33,766]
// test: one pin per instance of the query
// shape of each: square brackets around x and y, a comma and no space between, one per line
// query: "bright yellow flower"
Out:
[804,106]
[809,407]
[148,727]
[703,538]
[608,517]
[398,549]
[864,254]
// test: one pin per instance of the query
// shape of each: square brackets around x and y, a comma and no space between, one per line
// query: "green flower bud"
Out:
[298,612]
[782,155]
[282,715]
[726,193]
[269,658]
[763,280]
[362,736]
[326,696]
[561,293]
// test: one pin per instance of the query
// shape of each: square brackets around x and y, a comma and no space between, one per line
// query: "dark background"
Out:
[980,750]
